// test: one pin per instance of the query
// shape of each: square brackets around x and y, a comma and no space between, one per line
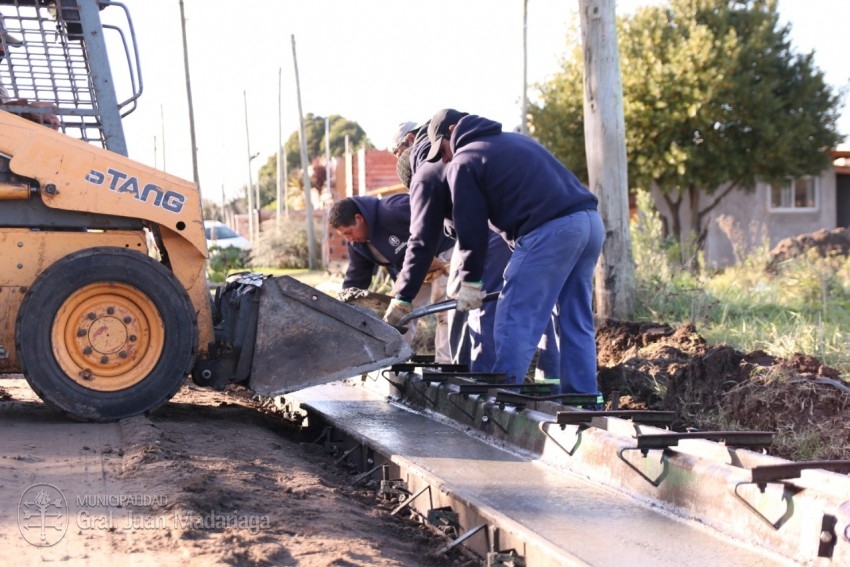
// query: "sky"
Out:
[375,62]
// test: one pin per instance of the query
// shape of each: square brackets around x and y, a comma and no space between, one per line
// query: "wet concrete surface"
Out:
[590,523]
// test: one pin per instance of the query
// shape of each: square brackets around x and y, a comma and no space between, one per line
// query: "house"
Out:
[743,221]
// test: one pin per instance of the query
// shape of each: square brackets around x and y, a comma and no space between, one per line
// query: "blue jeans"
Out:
[472,332]
[480,325]
[551,269]
[481,321]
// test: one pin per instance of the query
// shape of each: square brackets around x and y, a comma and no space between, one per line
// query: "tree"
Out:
[714,100]
[267,179]
[338,129]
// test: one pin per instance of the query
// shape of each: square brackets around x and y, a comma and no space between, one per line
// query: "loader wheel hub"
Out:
[107,336]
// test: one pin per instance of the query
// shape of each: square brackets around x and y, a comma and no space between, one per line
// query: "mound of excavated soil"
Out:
[824,242]
[655,366]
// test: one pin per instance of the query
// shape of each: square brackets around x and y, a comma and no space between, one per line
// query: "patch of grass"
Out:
[805,445]
[801,305]
[804,306]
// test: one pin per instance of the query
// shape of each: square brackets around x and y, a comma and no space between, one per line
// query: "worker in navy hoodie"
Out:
[511,183]
[470,338]
[432,220]
[430,207]
[376,233]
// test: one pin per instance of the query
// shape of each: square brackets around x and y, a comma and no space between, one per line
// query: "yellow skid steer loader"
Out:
[104,298]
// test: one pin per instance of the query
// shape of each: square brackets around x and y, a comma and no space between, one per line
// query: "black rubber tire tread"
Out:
[105,265]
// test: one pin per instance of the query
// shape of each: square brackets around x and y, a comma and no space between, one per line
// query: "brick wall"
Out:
[370,170]
[380,170]
[335,250]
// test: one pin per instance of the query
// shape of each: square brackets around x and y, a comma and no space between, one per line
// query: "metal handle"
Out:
[444,305]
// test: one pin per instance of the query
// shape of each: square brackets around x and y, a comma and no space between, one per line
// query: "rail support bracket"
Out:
[506,558]
[445,520]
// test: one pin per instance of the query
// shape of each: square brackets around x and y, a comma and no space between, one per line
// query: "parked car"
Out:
[219,235]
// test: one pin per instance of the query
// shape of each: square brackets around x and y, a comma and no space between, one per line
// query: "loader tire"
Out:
[106,333]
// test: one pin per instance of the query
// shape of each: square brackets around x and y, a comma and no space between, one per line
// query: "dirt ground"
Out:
[825,243]
[715,387]
[209,478]
[655,366]
[800,399]
[229,483]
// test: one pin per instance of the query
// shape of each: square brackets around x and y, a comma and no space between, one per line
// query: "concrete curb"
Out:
[804,519]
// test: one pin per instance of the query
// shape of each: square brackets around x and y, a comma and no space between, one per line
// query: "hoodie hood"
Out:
[419,151]
[368,206]
[472,127]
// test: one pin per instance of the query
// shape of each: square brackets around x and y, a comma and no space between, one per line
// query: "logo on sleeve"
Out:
[397,243]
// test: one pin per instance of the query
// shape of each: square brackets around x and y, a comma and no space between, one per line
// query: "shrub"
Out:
[285,247]
[224,260]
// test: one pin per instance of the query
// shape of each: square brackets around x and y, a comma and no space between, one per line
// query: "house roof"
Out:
[841,159]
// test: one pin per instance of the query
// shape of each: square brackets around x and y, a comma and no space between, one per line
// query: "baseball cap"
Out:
[404,129]
[439,129]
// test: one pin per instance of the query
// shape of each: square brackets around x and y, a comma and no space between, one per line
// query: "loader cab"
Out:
[62,61]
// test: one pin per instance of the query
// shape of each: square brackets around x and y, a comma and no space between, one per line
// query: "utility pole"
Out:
[250,189]
[308,204]
[285,186]
[605,143]
[327,160]
[279,146]
[258,204]
[523,124]
[223,199]
[197,178]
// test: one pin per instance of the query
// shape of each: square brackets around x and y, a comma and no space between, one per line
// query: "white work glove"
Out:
[397,309]
[470,296]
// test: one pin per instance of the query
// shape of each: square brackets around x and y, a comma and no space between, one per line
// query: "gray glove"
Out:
[397,309]
[470,296]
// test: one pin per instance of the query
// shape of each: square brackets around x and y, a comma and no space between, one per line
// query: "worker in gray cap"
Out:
[403,137]
[438,279]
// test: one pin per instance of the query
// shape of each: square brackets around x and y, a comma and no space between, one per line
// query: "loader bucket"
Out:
[305,338]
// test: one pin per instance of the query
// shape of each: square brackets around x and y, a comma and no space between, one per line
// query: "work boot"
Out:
[598,406]
[553,383]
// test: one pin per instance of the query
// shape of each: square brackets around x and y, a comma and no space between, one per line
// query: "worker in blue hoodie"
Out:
[376,232]
[431,211]
[430,208]
[511,183]
[470,337]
